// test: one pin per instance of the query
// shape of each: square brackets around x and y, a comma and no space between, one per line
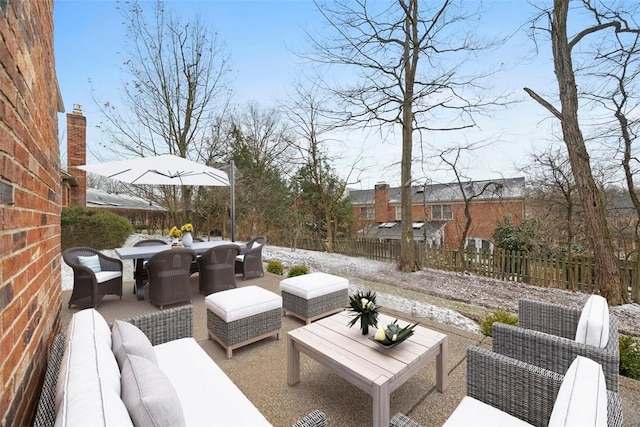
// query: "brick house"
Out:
[438,211]
[30,203]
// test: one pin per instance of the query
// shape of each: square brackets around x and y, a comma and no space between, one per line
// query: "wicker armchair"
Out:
[522,390]
[217,269]
[249,262]
[169,273]
[89,286]
[545,337]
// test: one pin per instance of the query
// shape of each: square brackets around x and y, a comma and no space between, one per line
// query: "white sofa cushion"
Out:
[92,262]
[89,385]
[129,340]
[313,285]
[104,276]
[582,399]
[204,389]
[239,303]
[472,412]
[89,322]
[148,394]
[593,325]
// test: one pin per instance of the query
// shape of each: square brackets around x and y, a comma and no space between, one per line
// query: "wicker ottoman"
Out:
[312,296]
[237,317]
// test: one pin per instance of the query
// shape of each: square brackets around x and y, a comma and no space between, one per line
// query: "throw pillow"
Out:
[255,245]
[148,394]
[92,262]
[582,398]
[593,325]
[127,339]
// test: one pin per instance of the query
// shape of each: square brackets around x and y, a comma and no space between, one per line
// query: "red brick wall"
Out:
[77,156]
[484,216]
[29,204]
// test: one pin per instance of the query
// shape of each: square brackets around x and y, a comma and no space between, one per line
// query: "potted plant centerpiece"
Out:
[392,335]
[364,308]
[175,234]
[187,238]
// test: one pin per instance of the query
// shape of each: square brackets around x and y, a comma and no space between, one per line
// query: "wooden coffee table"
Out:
[363,363]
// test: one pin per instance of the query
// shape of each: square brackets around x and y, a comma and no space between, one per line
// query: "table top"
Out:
[352,354]
[146,252]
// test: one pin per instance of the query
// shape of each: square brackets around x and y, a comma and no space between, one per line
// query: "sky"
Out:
[261,37]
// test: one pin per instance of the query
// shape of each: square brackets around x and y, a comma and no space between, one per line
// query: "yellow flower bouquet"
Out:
[175,232]
[188,227]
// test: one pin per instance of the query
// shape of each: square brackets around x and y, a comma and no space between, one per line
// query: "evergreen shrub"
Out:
[629,357]
[95,228]
[298,270]
[275,267]
[501,316]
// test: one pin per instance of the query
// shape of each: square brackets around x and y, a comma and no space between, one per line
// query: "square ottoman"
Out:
[312,296]
[240,316]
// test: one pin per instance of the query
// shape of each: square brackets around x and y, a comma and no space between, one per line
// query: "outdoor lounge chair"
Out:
[501,387]
[249,261]
[546,337]
[217,269]
[169,273]
[94,276]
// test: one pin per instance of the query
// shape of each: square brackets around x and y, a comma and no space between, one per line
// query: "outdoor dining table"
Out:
[142,253]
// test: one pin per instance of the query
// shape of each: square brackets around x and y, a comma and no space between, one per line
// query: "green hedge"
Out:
[96,228]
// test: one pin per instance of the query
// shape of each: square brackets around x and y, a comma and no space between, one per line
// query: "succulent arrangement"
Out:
[392,334]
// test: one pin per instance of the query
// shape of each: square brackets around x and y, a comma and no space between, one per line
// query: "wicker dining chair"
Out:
[169,273]
[92,282]
[545,337]
[217,269]
[249,261]
[146,242]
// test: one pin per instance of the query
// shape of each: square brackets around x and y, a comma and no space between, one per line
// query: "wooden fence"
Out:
[562,272]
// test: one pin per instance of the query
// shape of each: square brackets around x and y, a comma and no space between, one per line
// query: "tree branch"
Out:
[540,100]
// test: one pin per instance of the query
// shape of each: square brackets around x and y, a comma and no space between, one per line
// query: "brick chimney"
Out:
[381,201]
[77,154]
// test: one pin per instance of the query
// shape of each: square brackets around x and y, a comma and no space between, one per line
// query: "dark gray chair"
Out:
[89,286]
[249,261]
[217,269]
[138,264]
[169,273]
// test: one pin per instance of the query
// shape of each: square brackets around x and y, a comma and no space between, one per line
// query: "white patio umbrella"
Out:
[160,170]
[166,169]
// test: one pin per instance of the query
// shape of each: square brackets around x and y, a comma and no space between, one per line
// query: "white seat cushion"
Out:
[313,285]
[234,304]
[207,395]
[472,412]
[593,326]
[104,276]
[240,258]
[582,399]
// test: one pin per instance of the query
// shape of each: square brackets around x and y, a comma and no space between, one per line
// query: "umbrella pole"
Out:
[232,173]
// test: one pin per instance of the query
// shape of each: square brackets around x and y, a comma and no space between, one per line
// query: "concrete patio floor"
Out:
[259,369]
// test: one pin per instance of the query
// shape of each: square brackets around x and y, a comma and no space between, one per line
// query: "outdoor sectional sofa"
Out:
[144,371]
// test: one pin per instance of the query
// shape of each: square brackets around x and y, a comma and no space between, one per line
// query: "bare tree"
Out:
[607,272]
[407,56]
[468,191]
[177,72]
[312,128]
[554,200]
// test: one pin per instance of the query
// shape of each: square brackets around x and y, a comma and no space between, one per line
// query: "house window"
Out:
[366,212]
[441,212]
[398,213]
